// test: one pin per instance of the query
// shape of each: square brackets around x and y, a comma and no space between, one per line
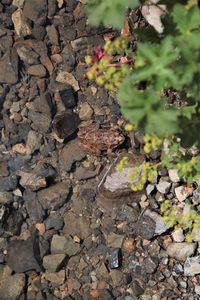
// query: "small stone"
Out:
[150,264]
[34,141]
[150,188]
[9,67]
[35,9]
[56,278]
[52,34]
[64,244]
[85,112]
[117,277]
[173,175]
[53,262]
[76,226]
[115,258]
[27,255]
[66,77]
[33,206]
[41,122]
[21,24]
[192,266]
[18,3]
[68,97]
[114,240]
[137,288]
[146,227]
[32,181]
[37,70]
[178,235]
[8,183]
[3,169]
[5,197]
[161,227]
[163,187]
[182,192]
[54,196]
[12,287]
[55,221]
[181,251]
[70,154]
[197,289]
[65,124]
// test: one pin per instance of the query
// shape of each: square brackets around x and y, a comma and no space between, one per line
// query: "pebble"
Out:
[150,188]
[114,240]
[178,235]
[54,196]
[183,192]
[65,124]
[34,141]
[192,266]
[12,287]
[27,255]
[163,187]
[181,251]
[53,262]
[21,24]
[115,258]
[37,70]
[173,175]
[64,244]
[35,9]
[8,183]
[160,227]
[150,264]
[9,67]
[70,154]
[57,278]
[85,112]
[66,77]
[146,227]
[117,277]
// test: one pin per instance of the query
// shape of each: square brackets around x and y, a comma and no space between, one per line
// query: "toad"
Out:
[94,139]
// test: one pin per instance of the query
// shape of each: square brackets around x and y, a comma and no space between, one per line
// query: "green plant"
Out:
[186,217]
[162,62]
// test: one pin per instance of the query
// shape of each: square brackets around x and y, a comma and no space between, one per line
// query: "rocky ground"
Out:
[70,227]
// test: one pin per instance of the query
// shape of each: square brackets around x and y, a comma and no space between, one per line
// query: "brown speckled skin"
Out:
[94,139]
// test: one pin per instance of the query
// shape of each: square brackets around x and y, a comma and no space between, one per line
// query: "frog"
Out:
[94,139]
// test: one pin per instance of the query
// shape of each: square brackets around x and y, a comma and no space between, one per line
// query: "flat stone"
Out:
[8,183]
[178,235]
[64,244]
[27,255]
[79,226]
[6,197]
[150,264]
[18,3]
[173,175]
[65,124]
[181,251]
[53,262]
[33,206]
[4,172]
[115,258]
[21,24]
[192,266]
[54,196]
[34,141]
[12,287]
[117,277]
[9,67]
[163,187]
[149,189]
[70,154]
[114,240]
[43,104]
[41,122]
[37,70]
[85,112]
[161,226]
[182,192]
[68,98]
[146,227]
[56,278]
[55,220]
[13,222]
[35,9]
[66,77]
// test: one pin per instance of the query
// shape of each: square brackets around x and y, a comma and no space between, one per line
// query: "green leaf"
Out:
[109,12]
